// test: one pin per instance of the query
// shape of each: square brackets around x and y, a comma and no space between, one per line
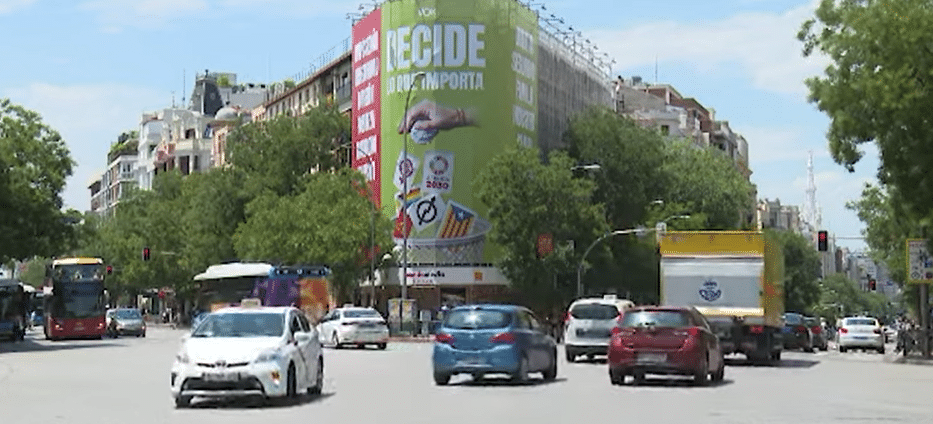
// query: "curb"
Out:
[900,359]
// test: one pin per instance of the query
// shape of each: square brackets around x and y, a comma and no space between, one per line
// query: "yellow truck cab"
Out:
[735,279]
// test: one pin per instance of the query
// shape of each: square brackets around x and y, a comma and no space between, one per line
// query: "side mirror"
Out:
[302,337]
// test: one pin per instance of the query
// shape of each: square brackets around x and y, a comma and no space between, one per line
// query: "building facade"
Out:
[109,186]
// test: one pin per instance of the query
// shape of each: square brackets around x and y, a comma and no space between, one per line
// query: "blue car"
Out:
[493,339]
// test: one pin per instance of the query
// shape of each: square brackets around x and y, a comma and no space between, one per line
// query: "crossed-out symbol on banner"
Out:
[426,211]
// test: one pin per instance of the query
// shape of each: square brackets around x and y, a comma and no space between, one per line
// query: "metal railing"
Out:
[909,342]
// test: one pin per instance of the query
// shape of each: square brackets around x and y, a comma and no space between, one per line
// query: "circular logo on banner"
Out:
[439,165]
[406,168]
[710,291]
[426,211]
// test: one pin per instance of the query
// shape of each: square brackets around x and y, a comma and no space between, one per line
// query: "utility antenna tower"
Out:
[812,216]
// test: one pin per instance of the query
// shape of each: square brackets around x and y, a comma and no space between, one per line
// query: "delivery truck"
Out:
[735,279]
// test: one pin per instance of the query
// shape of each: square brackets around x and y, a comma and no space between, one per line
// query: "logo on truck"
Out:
[710,291]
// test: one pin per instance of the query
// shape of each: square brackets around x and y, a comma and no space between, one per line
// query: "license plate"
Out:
[652,357]
[221,376]
[861,338]
[470,362]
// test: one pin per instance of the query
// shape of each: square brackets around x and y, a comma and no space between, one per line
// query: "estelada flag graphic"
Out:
[458,220]
[402,221]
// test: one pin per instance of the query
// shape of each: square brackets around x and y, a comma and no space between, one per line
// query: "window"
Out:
[594,311]
[473,319]
[665,130]
[655,319]
[364,313]
[295,326]
[305,325]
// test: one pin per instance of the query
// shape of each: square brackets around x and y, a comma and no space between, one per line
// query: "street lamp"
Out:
[404,294]
[660,227]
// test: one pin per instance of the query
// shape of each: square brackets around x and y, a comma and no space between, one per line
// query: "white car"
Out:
[860,333]
[353,326]
[250,350]
[589,323]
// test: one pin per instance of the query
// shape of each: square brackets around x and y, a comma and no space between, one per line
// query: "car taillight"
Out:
[757,329]
[503,338]
[615,330]
[843,330]
[816,330]
[444,338]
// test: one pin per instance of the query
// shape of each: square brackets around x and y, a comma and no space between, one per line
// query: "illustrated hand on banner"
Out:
[426,118]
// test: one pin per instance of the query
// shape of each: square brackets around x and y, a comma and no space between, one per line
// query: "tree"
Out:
[275,155]
[329,221]
[514,185]
[878,88]
[801,271]
[34,275]
[703,182]
[34,164]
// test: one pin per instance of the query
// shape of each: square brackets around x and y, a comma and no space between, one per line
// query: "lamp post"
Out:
[591,167]
[661,226]
[404,291]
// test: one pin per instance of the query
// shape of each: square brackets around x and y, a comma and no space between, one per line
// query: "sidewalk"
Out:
[911,359]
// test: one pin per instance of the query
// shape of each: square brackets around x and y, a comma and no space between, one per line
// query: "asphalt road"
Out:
[126,381]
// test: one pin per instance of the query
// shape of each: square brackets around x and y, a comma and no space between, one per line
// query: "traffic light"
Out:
[145,253]
[872,285]
[109,269]
[822,241]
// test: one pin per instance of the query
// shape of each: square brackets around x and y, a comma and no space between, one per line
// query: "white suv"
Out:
[589,323]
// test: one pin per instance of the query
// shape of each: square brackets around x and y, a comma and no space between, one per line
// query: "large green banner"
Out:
[476,97]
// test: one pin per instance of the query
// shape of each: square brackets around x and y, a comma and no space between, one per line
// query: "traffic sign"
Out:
[919,262]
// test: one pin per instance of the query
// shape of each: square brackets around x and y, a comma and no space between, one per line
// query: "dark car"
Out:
[493,339]
[664,340]
[817,335]
[13,304]
[796,334]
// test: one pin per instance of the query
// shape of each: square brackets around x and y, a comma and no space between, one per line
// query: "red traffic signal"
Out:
[146,253]
[822,241]
[109,270]
[872,285]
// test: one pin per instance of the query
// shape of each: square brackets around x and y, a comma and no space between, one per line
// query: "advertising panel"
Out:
[475,100]
[366,101]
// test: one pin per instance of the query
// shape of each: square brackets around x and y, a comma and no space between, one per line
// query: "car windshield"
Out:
[8,303]
[655,319]
[792,319]
[361,313]
[860,321]
[258,324]
[477,319]
[127,314]
[594,311]
[83,272]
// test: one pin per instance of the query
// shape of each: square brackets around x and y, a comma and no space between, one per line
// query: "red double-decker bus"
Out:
[75,299]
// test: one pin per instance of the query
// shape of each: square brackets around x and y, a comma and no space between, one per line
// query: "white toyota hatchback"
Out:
[249,351]
[860,333]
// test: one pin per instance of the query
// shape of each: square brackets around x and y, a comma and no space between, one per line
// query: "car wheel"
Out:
[843,349]
[617,378]
[776,355]
[550,374]
[638,378]
[881,350]
[521,374]
[335,341]
[318,386]
[571,355]
[441,379]
[182,401]
[291,391]
[720,373]
[701,375]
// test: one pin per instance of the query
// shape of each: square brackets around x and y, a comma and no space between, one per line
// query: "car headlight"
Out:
[269,356]
[182,357]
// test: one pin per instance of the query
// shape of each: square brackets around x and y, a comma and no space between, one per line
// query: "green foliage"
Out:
[877,88]
[276,154]
[34,275]
[801,271]
[223,81]
[840,297]
[34,164]
[514,186]
[327,222]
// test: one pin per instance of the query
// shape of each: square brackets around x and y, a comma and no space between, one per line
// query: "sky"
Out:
[92,67]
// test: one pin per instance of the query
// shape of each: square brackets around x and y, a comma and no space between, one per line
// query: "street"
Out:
[126,381]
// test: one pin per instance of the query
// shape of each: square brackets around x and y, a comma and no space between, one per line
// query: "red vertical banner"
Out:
[367,146]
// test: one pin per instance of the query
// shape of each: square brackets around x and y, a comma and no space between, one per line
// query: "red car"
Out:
[664,340]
